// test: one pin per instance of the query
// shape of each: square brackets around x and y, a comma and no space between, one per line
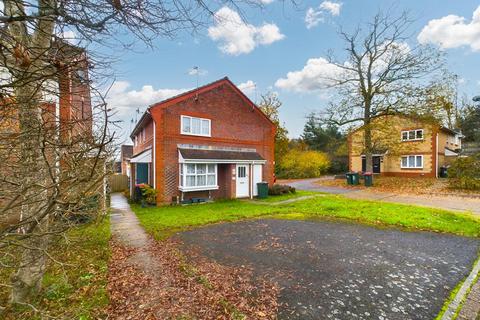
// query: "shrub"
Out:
[279,189]
[149,194]
[144,194]
[464,173]
[303,164]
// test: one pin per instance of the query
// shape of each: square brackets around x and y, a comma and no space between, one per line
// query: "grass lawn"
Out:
[162,221]
[76,290]
[283,197]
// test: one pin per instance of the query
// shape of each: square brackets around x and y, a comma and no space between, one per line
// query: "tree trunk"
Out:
[368,137]
[28,70]
[26,281]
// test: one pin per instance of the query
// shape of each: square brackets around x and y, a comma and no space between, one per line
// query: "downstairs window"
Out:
[412,162]
[198,176]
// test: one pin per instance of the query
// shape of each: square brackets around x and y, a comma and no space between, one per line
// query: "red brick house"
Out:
[211,142]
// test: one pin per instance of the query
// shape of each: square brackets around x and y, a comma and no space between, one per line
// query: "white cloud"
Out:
[125,101]
[247,87]
[332,7]
[237,37]
[453,31]
[266,1]
[315,75]
[320,74]
[314,16]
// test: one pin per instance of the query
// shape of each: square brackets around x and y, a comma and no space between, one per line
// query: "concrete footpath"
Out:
[453,203]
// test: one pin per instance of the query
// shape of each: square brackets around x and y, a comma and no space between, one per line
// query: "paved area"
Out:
[471,306]
[331,270]
[127,230]
[453,203]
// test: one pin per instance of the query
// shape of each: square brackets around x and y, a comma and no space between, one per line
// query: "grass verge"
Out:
[283,197]
[162,221]
[75,289]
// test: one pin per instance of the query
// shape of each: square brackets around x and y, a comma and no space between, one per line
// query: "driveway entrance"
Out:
[331,270]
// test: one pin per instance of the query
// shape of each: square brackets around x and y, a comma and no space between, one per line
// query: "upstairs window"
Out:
[195,126]
[412,135]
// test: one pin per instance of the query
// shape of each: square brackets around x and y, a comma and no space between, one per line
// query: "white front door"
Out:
[242,181]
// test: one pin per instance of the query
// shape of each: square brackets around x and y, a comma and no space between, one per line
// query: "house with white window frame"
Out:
[207,143]
[421,149]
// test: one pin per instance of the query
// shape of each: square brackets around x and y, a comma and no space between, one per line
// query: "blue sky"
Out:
[278,40]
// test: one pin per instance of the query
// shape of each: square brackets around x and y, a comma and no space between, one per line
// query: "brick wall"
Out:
[234,123]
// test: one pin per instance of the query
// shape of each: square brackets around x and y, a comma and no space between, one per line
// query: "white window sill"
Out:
[202,188]
[411,167]
[410,140]
[196,135]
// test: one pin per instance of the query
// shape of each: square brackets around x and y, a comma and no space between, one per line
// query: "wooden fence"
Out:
[118,182]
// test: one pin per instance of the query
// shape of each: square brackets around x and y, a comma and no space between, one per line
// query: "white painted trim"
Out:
[183,178]
[144,157]
[221,161]
[250,178]
[154,156]
[436,156]
[189,189]
[247,173]
[411,155]
[416,139]
[195,134]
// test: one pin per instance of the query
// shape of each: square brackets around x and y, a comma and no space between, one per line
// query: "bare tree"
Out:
[382,74]
[52,163]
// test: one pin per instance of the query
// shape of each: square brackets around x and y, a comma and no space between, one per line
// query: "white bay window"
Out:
[198,176]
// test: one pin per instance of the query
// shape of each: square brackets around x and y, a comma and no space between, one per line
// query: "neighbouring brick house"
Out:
[211,142]
[65,107]
[405,146]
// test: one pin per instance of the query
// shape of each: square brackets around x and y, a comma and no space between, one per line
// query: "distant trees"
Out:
[270,105]
[469,122]
[303,164]
[326,137]
[382,74]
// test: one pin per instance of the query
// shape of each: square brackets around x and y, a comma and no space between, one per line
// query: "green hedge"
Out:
[464,173]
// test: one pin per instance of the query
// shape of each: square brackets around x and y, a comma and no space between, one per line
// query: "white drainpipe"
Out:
[154,155]
[436,157]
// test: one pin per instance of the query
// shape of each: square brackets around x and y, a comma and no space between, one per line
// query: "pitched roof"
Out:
[188,94]
[223,81]
[202,154]
[146,117]
[411,117]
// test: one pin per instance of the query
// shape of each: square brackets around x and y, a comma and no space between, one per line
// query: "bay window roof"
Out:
[224,155]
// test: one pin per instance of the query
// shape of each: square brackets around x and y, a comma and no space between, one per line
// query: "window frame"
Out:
[415,161]
[191,133]
[407,132]
[183,174]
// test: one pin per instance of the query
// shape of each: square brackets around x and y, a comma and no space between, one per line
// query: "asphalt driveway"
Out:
[332,270]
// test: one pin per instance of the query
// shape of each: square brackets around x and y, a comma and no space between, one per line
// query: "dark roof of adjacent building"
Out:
[126,152]
[146,117]
[201,154]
